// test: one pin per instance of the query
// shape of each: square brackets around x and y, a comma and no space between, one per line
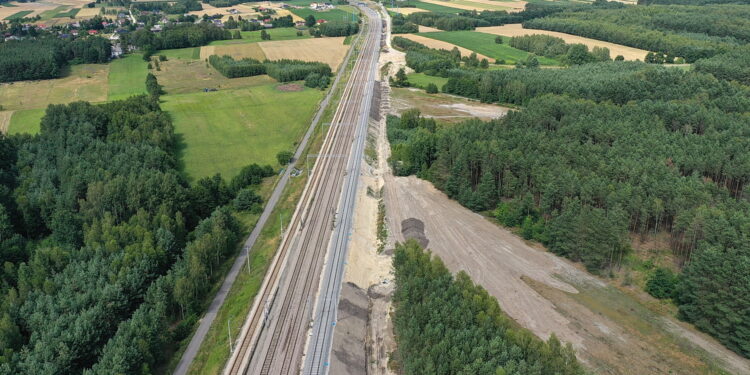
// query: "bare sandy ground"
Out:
[629,53]
[328,50]
[546,294]
[439,44]
[406,11]
[5,121]
[447,108]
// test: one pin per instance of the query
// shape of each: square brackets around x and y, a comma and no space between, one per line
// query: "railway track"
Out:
[274,334]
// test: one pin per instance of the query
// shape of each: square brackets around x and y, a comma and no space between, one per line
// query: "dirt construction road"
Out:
[612,332]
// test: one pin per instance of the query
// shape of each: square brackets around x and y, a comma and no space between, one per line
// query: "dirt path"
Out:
[5,121]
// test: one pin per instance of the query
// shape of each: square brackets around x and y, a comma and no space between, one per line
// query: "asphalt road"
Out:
[275,333]
[200,334]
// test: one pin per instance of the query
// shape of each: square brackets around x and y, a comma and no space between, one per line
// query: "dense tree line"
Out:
[447,325]
[100,256]
[556,48]
[176,36]
[691,32]
[428,60]
[46,57]
[338,28]
[445,21]
[177,7]
[295,70]
[282,70]
[732,66]
[580,174]
[231,68]
[399,25]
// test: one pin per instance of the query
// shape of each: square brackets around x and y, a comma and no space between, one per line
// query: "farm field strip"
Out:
[84,82]
[516,29]
[26,121]
[277,34]
[439,44]
[469,4]
[484,44]
[126,77]
[327,50]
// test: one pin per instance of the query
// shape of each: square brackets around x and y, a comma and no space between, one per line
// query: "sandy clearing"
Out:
[447,108]
[629,53]
[238,51]
[406,11]
[5,121]
[439,44]
[327,50]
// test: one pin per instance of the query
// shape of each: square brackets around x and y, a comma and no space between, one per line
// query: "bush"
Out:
[284,157]
[431,88]
[231,68]
[662,284]
[247,200]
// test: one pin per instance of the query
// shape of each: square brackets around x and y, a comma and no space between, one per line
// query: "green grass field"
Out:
[220,132]
[127,77]
[421,80]
[9,5]
[283,33]
[192,53]
[69,14]
[333,15]
[52,13]
[431,7]
[18,15]
[26,121]
[485,44]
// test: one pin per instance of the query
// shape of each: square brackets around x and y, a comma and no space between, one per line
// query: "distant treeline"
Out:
[427,60]
[469,20]
[399,25]
[176,7]
[449,325]
[45,58]
[691,32]
[177,36]
[231,68]
[556,48]
[333,29]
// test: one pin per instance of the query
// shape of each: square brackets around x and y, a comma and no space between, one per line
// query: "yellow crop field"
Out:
[5,121]
[87,12]
[238,51]
[406,11]
[439,44]
[327,50]
[86,82]
[510,30]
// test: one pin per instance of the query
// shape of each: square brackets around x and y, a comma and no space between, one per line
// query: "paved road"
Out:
[200,334]
[274,335]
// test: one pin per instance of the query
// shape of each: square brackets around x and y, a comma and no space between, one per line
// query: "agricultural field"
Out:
[327,50]
[127,77]
[190,53]
[282,33]
[83,82]
[421,80]
[478,5]
[25,121]
[422,6]
[17,15]
[219,132]
[510,30]
[340,13]
[439,44]
[238,51]
[484,44]
[182,76]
